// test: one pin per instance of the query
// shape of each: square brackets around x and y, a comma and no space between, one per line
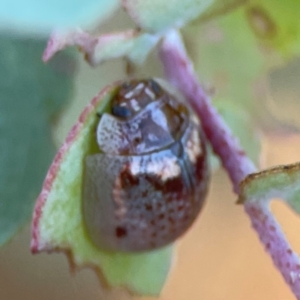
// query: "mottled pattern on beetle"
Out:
[148,200]
[134,96]
[156,209]
[148,184]
[147,131]
[110,135]
[194,153]
[133,137]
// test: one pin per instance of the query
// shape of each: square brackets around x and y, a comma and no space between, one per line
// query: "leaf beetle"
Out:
[148,182]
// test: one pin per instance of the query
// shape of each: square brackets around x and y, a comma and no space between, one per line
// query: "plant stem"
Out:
[180,72]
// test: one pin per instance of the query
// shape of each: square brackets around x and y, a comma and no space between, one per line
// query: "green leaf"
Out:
[34,16]
[158,15]
[30,94]
[278,182]
[135,47]
[58,222]
[276,24]
[131,44]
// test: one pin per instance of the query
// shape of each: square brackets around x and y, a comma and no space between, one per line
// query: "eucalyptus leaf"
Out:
[131,44]
[158,15]
[35,16]
[278,182]
[58,220]
[31,93]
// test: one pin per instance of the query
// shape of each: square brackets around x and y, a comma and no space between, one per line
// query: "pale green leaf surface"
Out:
[30,93]
[35,16]
[135,47]
[59,223]
[278,182]
[131,44]
[157,15]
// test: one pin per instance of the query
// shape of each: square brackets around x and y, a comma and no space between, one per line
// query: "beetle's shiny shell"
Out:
[148,183]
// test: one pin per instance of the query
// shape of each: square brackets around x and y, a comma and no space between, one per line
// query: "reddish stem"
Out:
[180,72]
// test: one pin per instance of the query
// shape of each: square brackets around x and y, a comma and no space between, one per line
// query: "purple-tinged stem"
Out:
[180,72]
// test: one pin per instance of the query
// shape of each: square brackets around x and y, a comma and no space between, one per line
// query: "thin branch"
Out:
[180,72]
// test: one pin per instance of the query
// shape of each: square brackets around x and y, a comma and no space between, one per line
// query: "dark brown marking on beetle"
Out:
[128,180]
[162,227]
[164,181]
[155,181]
[159,205]
[161,216]
[137,140]
[121,232]
[133,96]
[148,207]
[180,207]
[145,193]
[174,185]
[199,167]
[171,220]
[153,222]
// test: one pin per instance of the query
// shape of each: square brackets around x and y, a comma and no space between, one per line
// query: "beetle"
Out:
[148,181]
